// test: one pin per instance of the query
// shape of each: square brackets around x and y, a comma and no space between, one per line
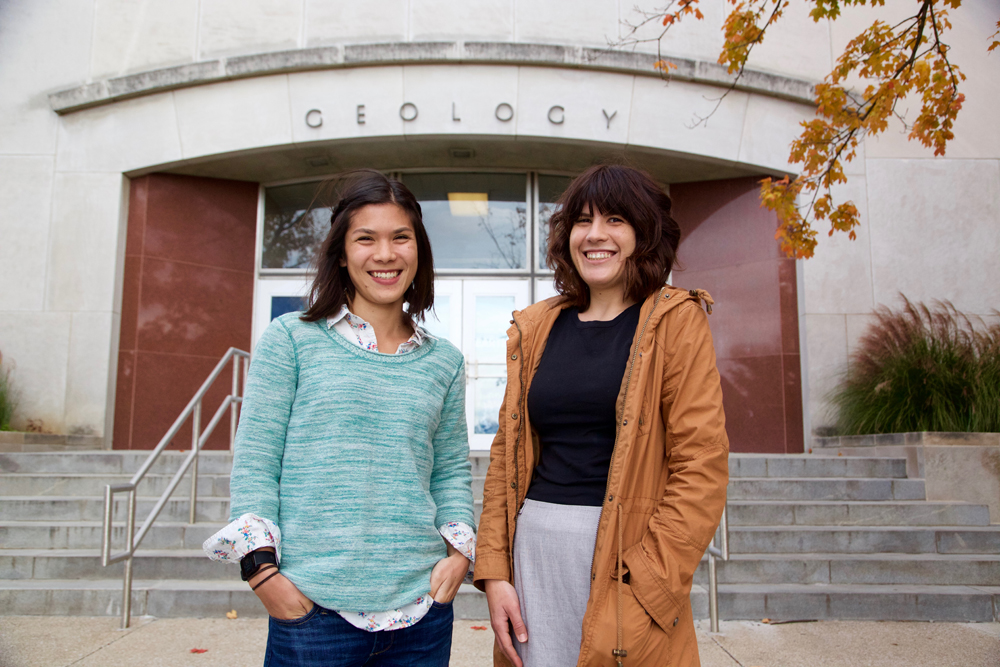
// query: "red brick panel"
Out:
[187,298]
[728,248]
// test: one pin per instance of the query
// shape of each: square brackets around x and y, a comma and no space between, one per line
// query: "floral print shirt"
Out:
[251,532]
[356,330]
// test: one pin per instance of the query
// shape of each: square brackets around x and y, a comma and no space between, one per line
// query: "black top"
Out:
[572,406]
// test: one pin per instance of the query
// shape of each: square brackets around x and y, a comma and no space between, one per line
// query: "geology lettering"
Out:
[504,112]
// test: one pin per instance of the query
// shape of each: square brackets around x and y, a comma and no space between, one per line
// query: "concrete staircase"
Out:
[811,538]
[852,538]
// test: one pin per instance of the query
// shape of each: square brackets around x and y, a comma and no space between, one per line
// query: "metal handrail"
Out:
[198,439]
[720,552]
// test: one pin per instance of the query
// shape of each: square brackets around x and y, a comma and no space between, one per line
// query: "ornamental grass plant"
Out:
[8,397]
[922,368]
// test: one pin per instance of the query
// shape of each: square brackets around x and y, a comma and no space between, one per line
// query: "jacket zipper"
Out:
[517,439]
[614,449]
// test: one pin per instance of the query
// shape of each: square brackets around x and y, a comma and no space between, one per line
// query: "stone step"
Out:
[821,488]
[87,535]
[880,568]
[18,509]
[63,485]
[110,462]
[163,564]
[806,465]
[91,508]
[90,484]
[62,534]
[865,539]
[181,598]
[856,513]
[216,486]
[79,508]
[859,602]
[220,462]
[169,598]
[480,461]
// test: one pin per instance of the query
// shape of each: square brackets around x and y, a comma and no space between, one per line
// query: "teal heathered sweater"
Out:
[358,457]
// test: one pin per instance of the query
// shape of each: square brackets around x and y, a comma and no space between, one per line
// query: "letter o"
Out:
[314,118]
[504,112]
[408,111]
[562,115]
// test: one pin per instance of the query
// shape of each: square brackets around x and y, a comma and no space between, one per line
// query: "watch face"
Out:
[253,560]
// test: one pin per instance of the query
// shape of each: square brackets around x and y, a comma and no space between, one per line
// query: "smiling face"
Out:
[380,254]
[599,244]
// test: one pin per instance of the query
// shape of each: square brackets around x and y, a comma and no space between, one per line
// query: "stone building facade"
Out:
[156,160]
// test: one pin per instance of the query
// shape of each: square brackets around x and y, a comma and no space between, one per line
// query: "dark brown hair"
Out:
[332,287]
[635,196]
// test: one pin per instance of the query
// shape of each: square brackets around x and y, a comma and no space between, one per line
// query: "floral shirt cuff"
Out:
[463,538]
[242,536]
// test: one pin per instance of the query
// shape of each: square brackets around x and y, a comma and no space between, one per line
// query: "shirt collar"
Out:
[333,319]
[419,333]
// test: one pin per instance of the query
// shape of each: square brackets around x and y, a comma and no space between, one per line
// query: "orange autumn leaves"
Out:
[880,69]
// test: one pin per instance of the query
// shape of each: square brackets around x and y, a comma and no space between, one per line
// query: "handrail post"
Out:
[715,553]
[106,528]
[724,525]
[713,593]
[195,434]
[232,408]
[127,584]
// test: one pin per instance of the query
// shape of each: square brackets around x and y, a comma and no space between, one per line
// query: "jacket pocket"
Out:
[663,597]
[644,640]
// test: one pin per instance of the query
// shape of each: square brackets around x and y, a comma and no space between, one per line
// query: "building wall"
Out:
[187,298]
[727,249]
[929,224]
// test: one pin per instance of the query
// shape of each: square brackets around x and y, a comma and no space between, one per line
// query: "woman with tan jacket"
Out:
[608,473]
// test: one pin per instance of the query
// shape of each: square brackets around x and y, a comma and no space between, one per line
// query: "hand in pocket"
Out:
[281,598]
[447,576]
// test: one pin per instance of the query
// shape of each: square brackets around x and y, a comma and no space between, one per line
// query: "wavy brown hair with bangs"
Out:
[636,197]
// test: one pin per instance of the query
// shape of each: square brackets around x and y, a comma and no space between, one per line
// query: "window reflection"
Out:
[292,233]
[550,188]
[287,304]
[475,221]
[438,321]
[492,318]
[489,396]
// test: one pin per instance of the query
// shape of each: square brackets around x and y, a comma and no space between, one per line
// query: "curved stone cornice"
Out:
[154,81]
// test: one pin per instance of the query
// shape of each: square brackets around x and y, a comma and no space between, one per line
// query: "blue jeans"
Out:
[322,638]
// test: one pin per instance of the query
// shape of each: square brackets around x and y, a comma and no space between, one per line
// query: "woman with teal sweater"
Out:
[351,487]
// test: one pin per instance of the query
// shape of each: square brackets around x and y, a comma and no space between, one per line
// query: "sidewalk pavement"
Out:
[64,641]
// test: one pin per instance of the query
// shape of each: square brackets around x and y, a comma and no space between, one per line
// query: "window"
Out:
[475,221]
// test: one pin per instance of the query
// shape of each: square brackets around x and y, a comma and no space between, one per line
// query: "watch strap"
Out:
[252,562]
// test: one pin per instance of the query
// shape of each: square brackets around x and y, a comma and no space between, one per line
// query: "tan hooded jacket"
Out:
[666,485]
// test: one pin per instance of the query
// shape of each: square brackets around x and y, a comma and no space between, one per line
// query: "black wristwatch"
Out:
[250,563]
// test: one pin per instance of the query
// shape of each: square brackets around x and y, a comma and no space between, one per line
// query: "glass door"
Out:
[276,296]
[445,319]
[487,307]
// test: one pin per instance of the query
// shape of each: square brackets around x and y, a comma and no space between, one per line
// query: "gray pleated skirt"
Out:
[553,552]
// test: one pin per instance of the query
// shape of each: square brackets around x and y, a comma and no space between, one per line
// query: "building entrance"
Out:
[209,262]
